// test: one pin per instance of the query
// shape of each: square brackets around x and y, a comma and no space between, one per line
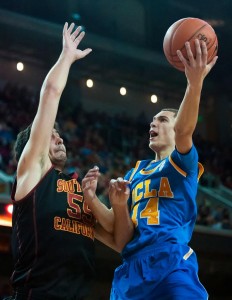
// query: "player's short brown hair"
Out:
[22,138]
[174,110]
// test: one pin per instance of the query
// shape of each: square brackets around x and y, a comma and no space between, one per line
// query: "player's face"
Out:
[57,150]
[162,134]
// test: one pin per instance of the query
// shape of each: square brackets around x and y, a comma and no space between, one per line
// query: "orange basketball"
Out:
[188,29]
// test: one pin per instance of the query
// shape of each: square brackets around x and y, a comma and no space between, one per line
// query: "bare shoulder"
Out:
[29,173]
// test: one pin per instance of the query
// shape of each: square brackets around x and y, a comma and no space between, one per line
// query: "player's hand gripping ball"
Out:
[188,29]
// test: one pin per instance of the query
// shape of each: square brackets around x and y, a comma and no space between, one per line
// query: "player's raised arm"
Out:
[196,69]
[33,156]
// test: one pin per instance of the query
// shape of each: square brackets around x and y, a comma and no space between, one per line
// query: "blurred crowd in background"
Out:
[113,143]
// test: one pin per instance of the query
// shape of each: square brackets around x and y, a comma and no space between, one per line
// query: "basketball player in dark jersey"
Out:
[53,226]
[153,234]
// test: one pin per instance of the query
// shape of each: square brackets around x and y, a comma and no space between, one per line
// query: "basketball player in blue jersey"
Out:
[53,227]
[153,234]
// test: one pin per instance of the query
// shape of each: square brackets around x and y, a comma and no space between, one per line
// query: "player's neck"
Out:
[58,167]
[163,154]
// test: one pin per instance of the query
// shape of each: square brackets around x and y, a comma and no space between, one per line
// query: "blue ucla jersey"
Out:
[157,262]
[162,202]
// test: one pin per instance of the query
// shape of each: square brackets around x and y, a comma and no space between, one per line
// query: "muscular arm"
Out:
[196,69]
[115,222]
[123,225]
[103,214]
[34,161]
[105,237]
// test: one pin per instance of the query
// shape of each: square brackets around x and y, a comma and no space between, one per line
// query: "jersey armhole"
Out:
[178,169]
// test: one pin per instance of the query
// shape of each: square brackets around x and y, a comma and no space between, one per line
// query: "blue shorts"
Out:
[165,273]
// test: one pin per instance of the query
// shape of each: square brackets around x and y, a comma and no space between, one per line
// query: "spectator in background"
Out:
[5,290]
[226,219]
[209,179]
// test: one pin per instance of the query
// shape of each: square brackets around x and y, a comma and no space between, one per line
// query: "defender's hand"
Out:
[89,184]
[71,40]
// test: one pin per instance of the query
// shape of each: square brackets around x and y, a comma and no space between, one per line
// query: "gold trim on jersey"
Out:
[135,169]
[182,172]
[179,170]
[143,172]
[201,170]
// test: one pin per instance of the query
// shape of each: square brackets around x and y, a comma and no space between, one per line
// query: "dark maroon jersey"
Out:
[53,240]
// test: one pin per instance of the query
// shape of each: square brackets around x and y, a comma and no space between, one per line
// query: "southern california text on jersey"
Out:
[56,226]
